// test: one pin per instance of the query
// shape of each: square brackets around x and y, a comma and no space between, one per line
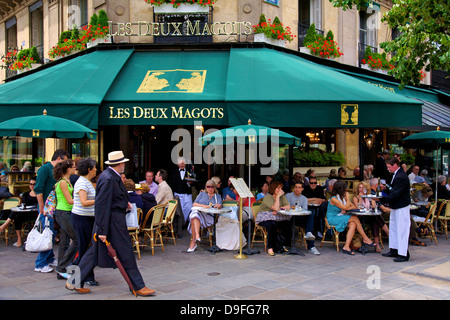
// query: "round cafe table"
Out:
[30,212]
[294,213]
[213,211]
[364,212]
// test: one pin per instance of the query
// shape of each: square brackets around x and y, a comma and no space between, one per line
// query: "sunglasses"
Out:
[32,184]
[313,183]
[210,187]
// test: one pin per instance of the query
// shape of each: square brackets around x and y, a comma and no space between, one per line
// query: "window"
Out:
[310,11]
[77,14]
[37,28]
[367,31]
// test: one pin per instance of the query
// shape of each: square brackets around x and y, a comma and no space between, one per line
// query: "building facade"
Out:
[24,24]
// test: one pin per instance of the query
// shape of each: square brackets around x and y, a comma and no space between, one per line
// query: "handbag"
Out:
[38,241]
[131,217]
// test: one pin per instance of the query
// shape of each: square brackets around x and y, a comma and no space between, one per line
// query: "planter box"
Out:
[97,41]
[305,50]
[366,66]
[33,66]
[167,8]
[261,37]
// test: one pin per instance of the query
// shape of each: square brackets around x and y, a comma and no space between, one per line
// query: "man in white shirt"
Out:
[164,191]
[149,176]
[412,176]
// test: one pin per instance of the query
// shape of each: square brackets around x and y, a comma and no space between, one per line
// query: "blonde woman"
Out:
[200,220]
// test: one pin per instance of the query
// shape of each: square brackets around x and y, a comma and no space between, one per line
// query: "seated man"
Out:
[296,198]
[313,192]
[227,193]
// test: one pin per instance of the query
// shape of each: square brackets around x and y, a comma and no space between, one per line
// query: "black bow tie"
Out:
[181,169]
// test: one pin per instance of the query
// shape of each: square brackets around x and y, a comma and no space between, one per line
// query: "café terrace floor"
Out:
[177,275]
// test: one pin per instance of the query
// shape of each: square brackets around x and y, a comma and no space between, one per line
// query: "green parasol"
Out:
[45,126]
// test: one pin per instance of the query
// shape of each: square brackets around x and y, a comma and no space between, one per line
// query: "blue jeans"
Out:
[306,222]
[45,257]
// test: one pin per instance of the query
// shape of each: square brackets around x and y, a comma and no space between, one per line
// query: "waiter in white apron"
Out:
[399,200]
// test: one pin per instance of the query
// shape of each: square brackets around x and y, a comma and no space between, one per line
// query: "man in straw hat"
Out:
[111,203]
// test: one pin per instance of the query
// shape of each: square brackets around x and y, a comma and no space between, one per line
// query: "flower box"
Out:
[305,50]
[95,42]
[33,66]
[261,37]
[167,8]
[366,67]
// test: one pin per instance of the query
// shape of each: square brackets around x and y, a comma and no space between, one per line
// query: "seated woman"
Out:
[376,221]
[28,199]
[339,202]
[148,199]
[264,191]
[199,220]
[274,223]
[133,197]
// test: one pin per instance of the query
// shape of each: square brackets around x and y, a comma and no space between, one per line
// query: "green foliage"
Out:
[424,40]
[330,35]
[35,55]
[94,20]
[311,35]
[262,19]
[102,19]
[75,35]
[317,158]
[65,35]
[26,54]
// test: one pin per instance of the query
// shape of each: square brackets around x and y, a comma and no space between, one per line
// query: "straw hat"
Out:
[116,157]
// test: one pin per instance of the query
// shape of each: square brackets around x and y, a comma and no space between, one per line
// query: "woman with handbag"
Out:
[68,244]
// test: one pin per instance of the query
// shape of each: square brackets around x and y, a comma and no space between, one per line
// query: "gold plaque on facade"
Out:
[349,114]
[164,81]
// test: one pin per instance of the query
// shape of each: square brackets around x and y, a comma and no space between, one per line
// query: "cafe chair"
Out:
[444,218]
[153,231]
[258,230]
[429,222]
[334,235]
[7,204]
[134,234]
[167,223]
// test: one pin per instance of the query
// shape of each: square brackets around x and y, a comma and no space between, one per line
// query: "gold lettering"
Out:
[213,28]
[195,30]
[135,113]
[176,27]
[111,113]
[162,29]
[155,29]
[195,113]
[140,33]
[178,114]
[120,29]
[163,113]
[110,25]
[206,29]
[187,114]
[129,28]
[208,114]
[220,110]
[248,26]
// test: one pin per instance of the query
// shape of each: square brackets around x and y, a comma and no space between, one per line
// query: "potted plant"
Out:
[274,33]
[26,60]
[180,6]
[376,61]
[322,46]
[69,43]
[97,31]
[9,58]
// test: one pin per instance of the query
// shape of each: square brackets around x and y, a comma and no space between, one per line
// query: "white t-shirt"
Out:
[83,184]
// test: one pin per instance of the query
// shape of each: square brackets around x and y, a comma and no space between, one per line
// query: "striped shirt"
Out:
[83,184]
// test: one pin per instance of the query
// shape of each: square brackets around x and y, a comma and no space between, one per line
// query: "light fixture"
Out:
[369,140]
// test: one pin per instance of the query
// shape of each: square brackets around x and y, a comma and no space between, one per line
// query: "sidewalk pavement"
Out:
[177,275]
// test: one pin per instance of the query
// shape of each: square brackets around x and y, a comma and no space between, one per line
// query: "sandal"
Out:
[417,242]
[349,252]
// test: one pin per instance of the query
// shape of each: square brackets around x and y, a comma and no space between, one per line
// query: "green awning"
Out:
[220,86]
[73,89]
[228,87]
